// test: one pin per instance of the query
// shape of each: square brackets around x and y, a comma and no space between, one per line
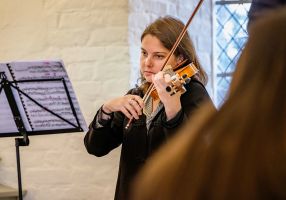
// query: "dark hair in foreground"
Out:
[238,152]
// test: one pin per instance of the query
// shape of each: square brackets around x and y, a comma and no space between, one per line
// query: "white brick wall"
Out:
[99,42]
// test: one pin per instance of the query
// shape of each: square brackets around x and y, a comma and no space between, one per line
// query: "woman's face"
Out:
[153,55]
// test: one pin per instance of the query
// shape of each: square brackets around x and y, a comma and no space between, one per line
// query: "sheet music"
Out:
[7,123]
[49,94]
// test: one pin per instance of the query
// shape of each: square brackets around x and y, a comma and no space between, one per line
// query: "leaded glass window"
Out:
[230,36]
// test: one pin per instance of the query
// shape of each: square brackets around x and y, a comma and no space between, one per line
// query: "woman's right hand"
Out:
[130,105]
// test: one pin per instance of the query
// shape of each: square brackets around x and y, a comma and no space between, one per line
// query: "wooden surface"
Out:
[9,193]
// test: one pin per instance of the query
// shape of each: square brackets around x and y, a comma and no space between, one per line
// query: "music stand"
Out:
[32,111]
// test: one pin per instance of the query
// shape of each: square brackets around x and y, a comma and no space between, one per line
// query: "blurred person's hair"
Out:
[238,152]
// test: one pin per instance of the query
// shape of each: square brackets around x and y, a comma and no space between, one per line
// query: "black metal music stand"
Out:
[6,86]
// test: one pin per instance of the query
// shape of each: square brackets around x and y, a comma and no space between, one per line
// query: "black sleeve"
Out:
[100,141]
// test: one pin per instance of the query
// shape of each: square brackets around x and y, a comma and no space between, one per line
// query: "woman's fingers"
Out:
[139,102]
[133,105]
[167,78]
[126,112]
[129,105]
[161,81]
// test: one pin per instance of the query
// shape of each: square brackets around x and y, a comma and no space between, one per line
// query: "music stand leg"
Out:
[20,142]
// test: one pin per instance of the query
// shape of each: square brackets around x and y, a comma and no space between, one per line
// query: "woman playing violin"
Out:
[161,117]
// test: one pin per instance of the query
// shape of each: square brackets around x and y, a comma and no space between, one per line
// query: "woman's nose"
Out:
[148,61]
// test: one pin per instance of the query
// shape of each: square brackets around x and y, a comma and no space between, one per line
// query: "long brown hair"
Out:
[238,152]
[167,29]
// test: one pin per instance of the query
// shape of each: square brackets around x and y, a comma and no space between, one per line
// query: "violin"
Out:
[180,77]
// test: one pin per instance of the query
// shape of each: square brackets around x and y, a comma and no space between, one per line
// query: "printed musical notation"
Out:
[45,101]
[7,123]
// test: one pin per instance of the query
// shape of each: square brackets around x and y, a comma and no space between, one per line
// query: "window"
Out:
[229,39]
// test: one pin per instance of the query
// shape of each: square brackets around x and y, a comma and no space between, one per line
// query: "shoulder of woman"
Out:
[196,91]
[195,84]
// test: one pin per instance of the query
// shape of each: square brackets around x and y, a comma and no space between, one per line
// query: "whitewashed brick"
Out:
[105,35]
[77,54]
[67,38]
[86,20]
[67,5]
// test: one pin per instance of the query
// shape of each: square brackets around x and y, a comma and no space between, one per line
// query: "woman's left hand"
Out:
[171,103]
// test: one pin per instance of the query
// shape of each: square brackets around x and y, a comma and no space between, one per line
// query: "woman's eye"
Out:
[159,56]
[144,53]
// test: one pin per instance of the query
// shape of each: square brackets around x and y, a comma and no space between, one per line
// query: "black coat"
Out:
[138,143]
